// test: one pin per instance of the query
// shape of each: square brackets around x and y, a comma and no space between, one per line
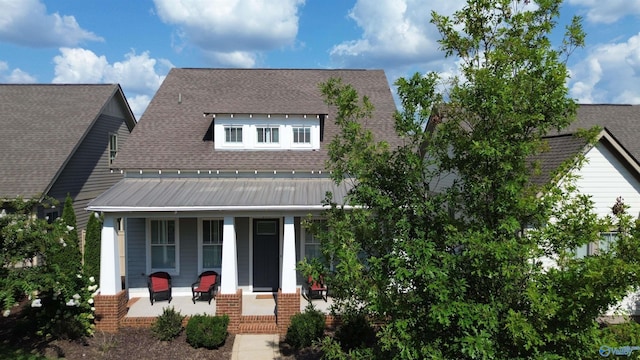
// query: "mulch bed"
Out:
[128,343]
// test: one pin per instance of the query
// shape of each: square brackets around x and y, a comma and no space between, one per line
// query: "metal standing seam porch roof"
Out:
[217,194]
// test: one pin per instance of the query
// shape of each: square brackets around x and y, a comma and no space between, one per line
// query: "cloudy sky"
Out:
[136,42]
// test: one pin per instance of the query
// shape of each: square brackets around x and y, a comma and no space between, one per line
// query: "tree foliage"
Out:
[60,298]
[92,247]
[445,238]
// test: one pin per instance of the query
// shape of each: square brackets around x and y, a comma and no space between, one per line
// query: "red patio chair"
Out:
[317,287]
[159,283]
[206,284]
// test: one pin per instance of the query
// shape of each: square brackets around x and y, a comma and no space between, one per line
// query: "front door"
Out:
[266,254]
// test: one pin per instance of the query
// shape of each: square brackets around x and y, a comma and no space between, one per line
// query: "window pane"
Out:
[260,135]
[171,232]
[274,135]
[156,232]
[266,227]
[212,256]
[233,134]
[163,257]
[312,251]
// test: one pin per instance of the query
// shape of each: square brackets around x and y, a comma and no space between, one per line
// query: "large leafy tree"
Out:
[444,239]
[35,269]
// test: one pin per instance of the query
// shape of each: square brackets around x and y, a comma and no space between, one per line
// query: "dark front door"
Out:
[266,254]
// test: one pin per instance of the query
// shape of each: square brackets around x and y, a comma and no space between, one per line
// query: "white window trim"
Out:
[270,144]
[176,271]
[112,136]
[201,267]
[303,145]
[231,144]
[303,238]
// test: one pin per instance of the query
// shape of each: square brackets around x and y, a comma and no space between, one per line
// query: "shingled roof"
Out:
[170,134]
[622,121]
[40,128]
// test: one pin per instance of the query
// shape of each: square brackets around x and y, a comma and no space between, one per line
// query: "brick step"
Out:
[258,324]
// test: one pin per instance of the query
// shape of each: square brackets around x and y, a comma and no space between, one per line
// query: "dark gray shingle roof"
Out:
[40,127]
[622,121]
[170,133]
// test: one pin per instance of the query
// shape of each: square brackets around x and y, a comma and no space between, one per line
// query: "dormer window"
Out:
[302,135]
[268,134]
[233,134]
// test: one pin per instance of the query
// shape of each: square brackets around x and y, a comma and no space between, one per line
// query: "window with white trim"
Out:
[268,134]
[233,134]
[163,245]
[212,244]
[113,147]
[312,240]
[606,241]
[302,135]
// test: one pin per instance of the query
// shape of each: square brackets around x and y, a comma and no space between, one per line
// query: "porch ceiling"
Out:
[232,194]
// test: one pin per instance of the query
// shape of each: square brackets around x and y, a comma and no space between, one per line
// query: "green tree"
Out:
[61,299]
[69,258]
[453,269]
[92,247]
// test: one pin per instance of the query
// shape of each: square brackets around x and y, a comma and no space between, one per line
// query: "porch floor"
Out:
[252,304]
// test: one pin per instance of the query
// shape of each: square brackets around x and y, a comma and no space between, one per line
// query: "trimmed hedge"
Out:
[206,331]
[305,328]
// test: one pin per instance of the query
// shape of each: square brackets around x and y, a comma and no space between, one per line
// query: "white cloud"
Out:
[394,32]
[609,74]
[609,11]
[139,75]
[27,23]
[15,76]
[242,59]
[233,31]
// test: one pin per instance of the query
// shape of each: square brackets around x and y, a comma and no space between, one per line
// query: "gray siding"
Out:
[87,174]
[188,253]
[136,252]
[243,243]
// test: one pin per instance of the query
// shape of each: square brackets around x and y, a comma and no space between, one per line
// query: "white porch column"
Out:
[229,272]
[110,283]
[289,257]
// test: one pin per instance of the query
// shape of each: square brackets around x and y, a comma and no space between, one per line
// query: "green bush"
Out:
[207,331]
[355,332]
[305,328]
[92,247]
[168,325]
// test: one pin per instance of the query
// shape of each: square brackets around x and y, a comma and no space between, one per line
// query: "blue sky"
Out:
[136,42]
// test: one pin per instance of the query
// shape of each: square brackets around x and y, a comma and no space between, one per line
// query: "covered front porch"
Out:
[252,242]
[252,304]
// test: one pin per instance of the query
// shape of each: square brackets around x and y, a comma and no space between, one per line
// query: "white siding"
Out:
[605,178]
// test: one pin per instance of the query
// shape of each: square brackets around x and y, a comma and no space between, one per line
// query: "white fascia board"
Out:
[109,209]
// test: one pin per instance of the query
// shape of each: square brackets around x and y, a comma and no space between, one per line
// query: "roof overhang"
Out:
[218,194]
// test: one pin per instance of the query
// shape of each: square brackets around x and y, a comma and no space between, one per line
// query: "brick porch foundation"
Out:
[110,310]
[230,304]
[287,306]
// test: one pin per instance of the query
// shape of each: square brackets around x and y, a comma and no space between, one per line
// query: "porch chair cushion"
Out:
[159,283]
[317,287]
[206,284]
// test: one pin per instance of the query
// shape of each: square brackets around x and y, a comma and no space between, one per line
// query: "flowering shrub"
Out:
[61,297]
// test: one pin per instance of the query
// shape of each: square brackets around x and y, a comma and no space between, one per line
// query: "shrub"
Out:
[207,331]
[92,247]
[168,325]
[305,328]
[355,332]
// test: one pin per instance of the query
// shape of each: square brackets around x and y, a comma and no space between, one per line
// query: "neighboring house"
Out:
[221,171]
[611,169]
[61,139]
